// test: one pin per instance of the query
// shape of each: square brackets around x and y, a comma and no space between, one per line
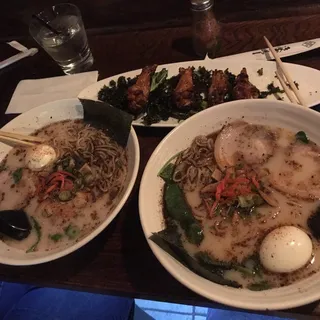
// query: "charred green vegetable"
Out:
[271,90]
[55,237]
[260,71]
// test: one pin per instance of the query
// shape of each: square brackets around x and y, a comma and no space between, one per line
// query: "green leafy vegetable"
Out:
[301,136]
[179,210]
[169,240]
[72,231]
[37,228]
[56,237]
[158,78]
[168,167]
[259,286]
[260,71]
[17,175]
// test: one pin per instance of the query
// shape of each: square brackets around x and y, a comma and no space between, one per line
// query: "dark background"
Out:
[118,15]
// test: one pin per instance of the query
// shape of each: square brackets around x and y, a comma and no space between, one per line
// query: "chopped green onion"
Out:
[301,136]
[72,231]
[55,237]
[158,78]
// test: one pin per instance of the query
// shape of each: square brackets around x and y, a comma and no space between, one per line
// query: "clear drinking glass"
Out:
[69,48]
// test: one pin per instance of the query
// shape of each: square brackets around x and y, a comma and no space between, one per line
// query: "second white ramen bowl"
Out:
[279,114]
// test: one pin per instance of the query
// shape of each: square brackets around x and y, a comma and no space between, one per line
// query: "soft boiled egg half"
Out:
[285,249]
[40,156]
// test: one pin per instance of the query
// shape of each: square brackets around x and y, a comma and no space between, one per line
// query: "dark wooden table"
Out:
[119,261]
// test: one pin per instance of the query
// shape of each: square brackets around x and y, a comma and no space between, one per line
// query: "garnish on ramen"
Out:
[241,206]
[67,187]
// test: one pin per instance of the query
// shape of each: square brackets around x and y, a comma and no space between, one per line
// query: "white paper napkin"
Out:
[33,93]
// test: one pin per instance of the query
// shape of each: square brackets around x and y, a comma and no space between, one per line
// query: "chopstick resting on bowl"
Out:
[23,140]
[287,76]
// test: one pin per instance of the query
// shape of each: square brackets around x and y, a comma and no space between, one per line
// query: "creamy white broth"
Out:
[53,216]
[238,238]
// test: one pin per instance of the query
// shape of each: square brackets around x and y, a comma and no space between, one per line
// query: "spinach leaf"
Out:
[158,78]
[169,240]
[37,228]
[179,210]
[301,136]
[206,260]
[17,175]
[166,172]
[56,237]
[259,286]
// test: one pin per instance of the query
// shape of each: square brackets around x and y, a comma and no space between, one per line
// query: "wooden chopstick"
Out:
[21,137]
[8,140]
[286,88]
[285,73]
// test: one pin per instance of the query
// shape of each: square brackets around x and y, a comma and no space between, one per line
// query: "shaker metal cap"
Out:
[201,4]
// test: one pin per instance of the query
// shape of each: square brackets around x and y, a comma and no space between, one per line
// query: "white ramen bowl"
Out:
[35,119]
[280,114]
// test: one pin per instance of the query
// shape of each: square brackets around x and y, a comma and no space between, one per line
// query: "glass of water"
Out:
[66,41]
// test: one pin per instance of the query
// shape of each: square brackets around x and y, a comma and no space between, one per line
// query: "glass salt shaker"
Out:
[205,28]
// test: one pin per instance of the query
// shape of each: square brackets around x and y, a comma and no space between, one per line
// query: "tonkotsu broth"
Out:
[55,216]
[235,239]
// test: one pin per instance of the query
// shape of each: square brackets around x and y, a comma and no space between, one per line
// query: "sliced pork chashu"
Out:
[297,170]
[240,142]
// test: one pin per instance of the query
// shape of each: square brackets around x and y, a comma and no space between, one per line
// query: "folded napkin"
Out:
[33,93]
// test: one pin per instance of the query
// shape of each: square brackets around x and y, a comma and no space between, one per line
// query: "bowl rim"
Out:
[111,216]
[215,295]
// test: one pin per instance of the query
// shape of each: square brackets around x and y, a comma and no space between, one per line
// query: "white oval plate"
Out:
[35,119]
[275,113]
[307,78]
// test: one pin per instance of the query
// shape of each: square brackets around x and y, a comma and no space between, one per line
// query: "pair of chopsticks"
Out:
[285,78]
[19,139]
